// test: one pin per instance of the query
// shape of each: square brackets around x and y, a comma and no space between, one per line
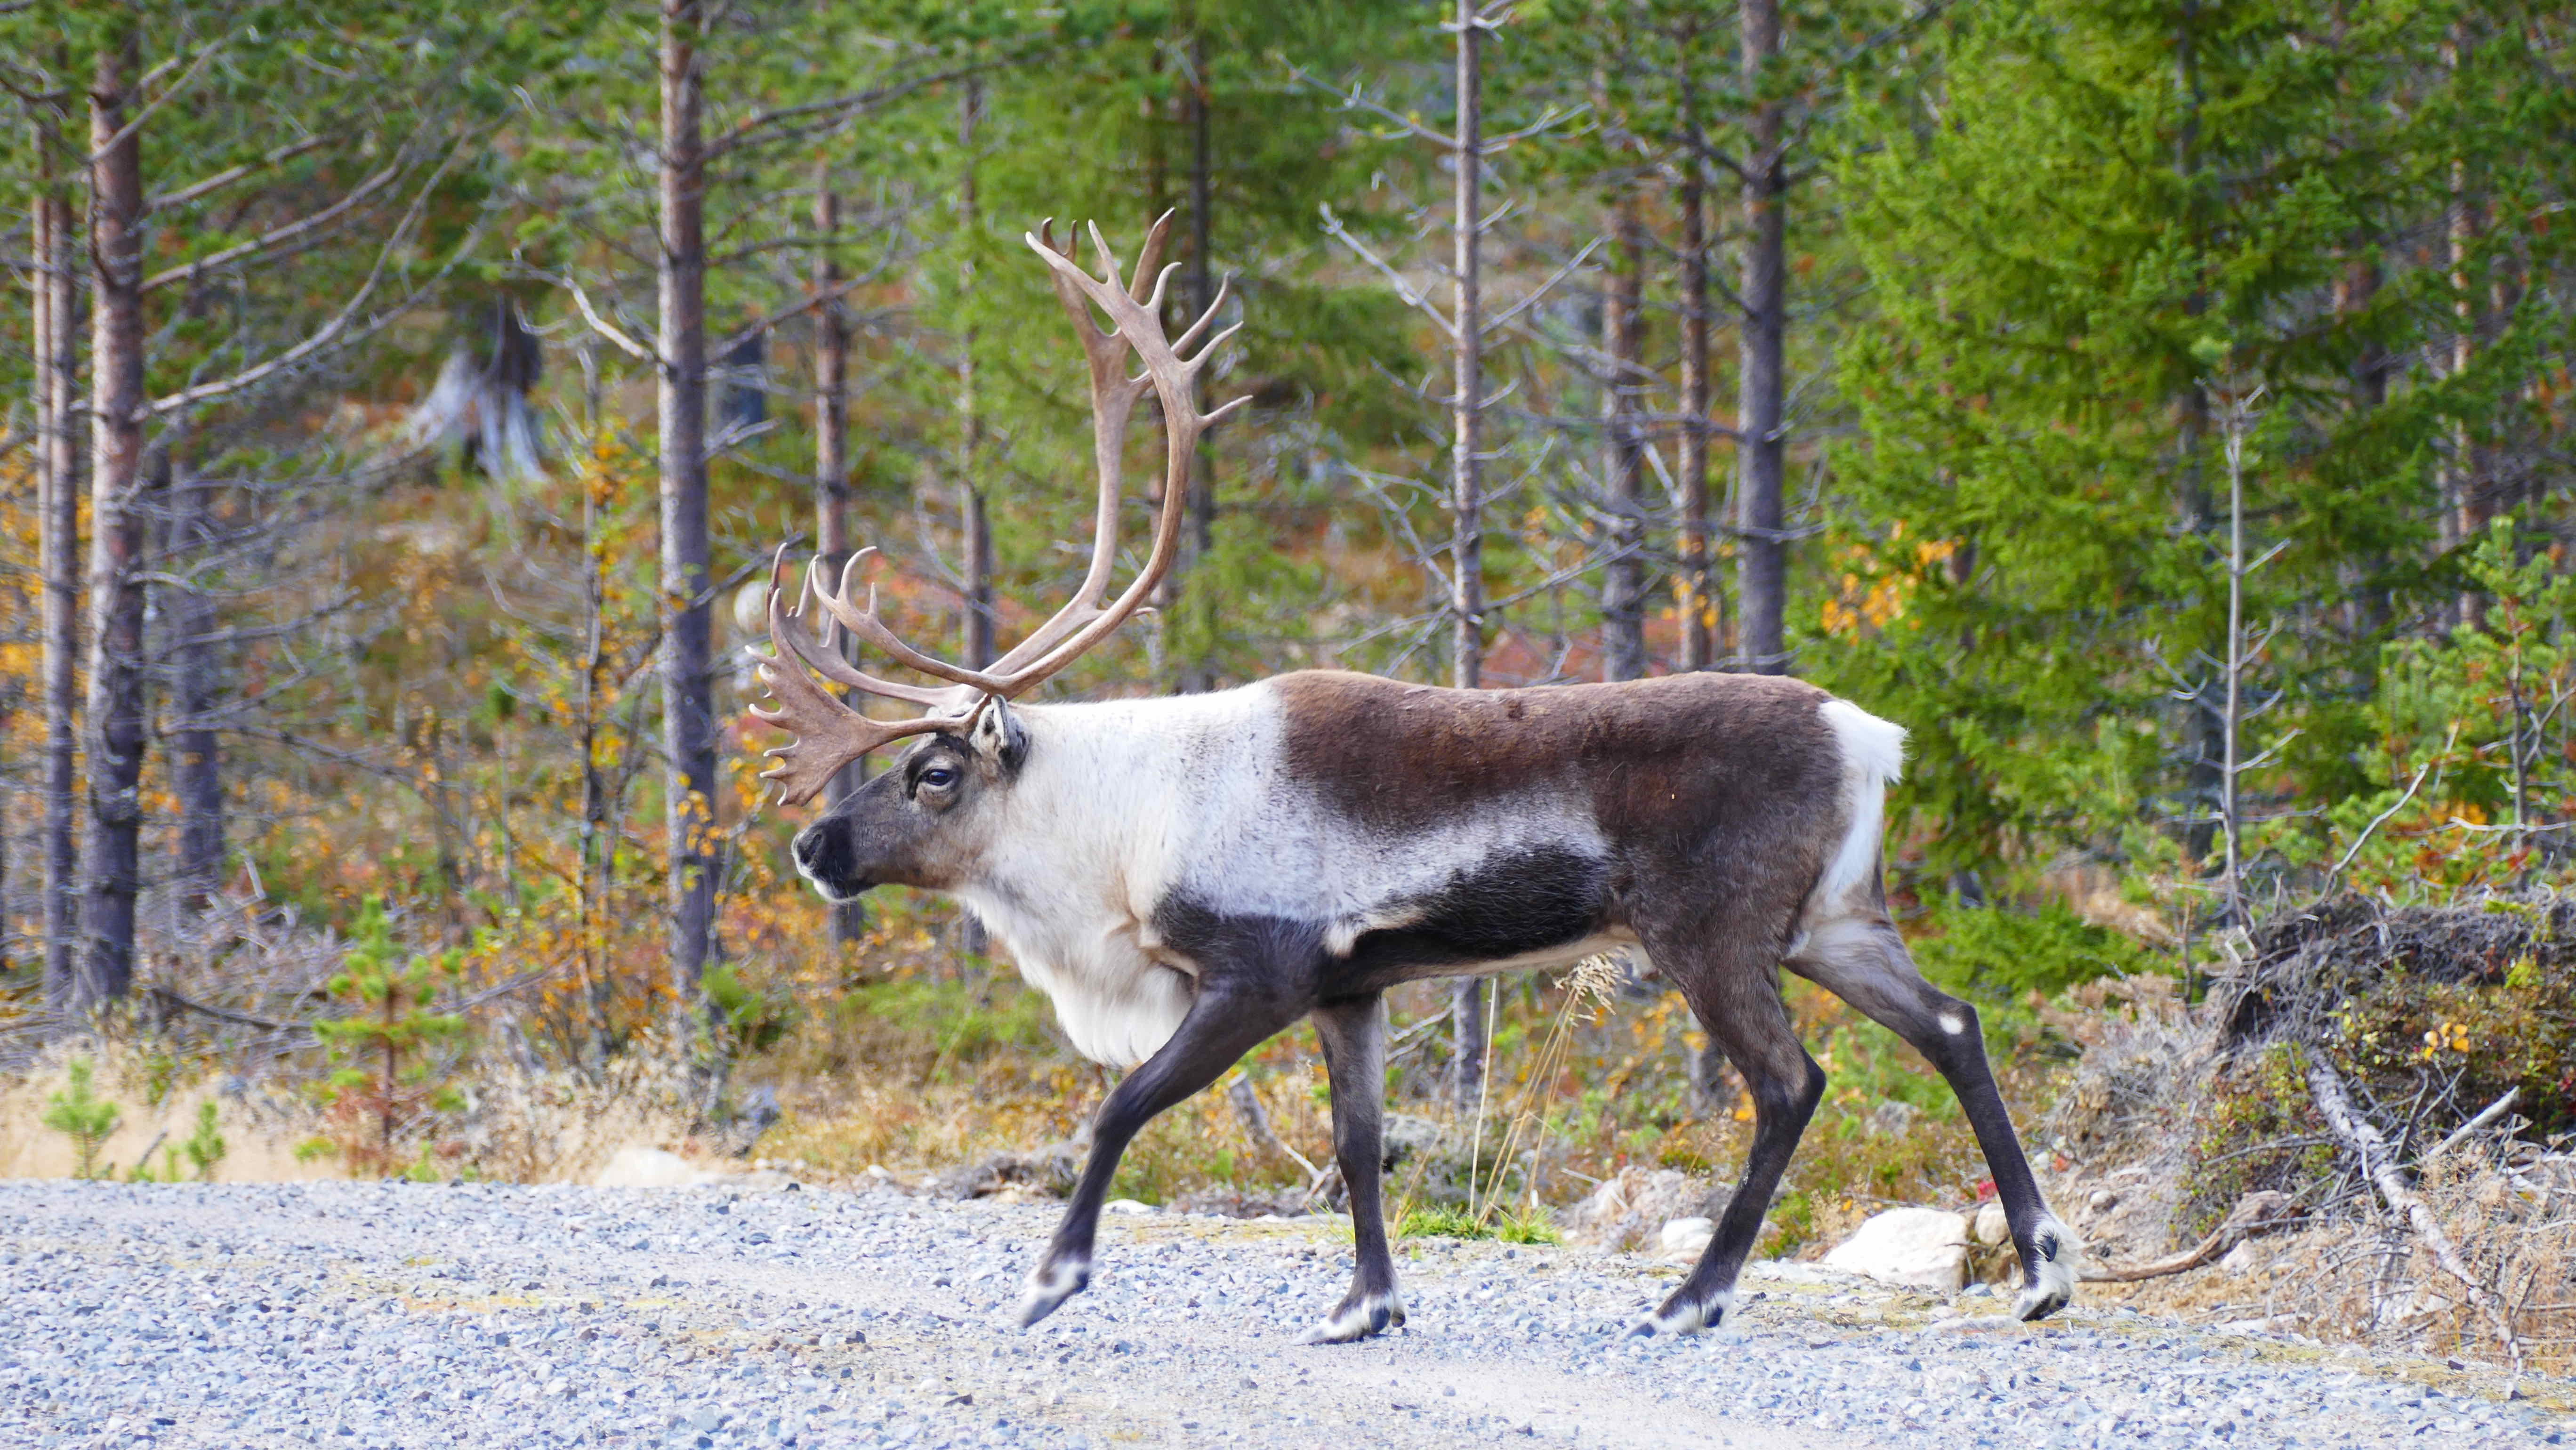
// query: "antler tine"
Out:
[832,667]
[1149,258]
[864,622]
[1087,618]
[829,734]
[1174,380]
[1191,333]
[1114,396]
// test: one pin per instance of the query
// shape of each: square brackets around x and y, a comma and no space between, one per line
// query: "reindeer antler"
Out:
[839,734]
[828,734]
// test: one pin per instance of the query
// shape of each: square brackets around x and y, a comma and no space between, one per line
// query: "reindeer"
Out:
[1186,876]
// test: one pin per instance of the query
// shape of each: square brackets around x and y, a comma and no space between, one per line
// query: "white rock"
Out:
[649,1168]
[2239,1261]
[1126,1205]
[1919,1248]
[1686,1237]
[1992,1227]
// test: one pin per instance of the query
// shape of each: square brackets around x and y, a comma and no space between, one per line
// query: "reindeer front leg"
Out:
[1224,1023]
[1353,1032]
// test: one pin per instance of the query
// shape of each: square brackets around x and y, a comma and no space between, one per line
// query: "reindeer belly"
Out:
[1524,907]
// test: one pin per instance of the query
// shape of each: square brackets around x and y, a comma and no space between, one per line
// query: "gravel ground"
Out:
[361,1315]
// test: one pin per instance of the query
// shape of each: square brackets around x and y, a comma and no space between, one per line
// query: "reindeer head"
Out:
[926,821]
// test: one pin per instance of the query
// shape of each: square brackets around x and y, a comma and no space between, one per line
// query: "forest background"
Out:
[2159,408]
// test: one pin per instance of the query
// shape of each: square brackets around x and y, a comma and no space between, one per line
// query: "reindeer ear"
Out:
[998,735]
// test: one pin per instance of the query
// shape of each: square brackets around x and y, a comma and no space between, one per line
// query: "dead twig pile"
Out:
[2391,1085]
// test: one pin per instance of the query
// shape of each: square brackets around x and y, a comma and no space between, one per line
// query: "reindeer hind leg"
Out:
[1862,960]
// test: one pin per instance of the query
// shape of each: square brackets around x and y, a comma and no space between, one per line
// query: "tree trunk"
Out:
[1193,673]
[40,296]
[974,522]
[1760,452]
[116,664]
[832,473]
[1466,481]
[688,722]
[831,384]
[2365,610]
[196,676]
[2466,505]
[1696,597]
[59,453]
[1623,325]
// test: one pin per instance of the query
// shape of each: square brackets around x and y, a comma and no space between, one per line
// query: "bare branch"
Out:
[331,330]
[783,314]
[832,111]
[126,131]
[280,236]
[1404,290]
[1559,275]
[229,175]
[600,325]
[1356,99]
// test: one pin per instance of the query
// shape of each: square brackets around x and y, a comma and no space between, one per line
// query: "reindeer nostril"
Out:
[804,848]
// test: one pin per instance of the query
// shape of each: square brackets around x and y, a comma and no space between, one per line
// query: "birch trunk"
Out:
[59,452]
[117,699]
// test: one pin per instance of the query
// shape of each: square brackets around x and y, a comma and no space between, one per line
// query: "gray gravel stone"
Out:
[362,1315]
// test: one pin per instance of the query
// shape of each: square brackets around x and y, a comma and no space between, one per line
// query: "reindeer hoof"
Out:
[1682,1314]
[1049,1285]
[2049,1289]
[1356,1319]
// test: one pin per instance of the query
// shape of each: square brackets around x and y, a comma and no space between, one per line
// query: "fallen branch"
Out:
[2486,1115]
[2378,1164]
[2255,1213]
[168,998]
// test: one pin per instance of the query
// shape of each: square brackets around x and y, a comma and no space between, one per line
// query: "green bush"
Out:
[758,1013]
[204,1147]
[1993,956]
[81,1113]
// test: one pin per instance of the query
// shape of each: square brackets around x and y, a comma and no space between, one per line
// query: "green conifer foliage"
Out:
[2097,213]
[81,1113]
[387,1043]
[204,1148]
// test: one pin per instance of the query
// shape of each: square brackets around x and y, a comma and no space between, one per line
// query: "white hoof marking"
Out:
[1372,1315]
[2054,1285]
[1685,1316]
[1049,1285]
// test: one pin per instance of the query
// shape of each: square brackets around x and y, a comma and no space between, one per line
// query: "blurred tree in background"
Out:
[401,410]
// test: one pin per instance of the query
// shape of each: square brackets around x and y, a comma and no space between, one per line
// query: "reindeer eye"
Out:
[939,777]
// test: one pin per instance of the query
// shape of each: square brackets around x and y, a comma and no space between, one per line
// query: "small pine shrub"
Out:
[84,1116]
[204,1148]
[386,1045]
